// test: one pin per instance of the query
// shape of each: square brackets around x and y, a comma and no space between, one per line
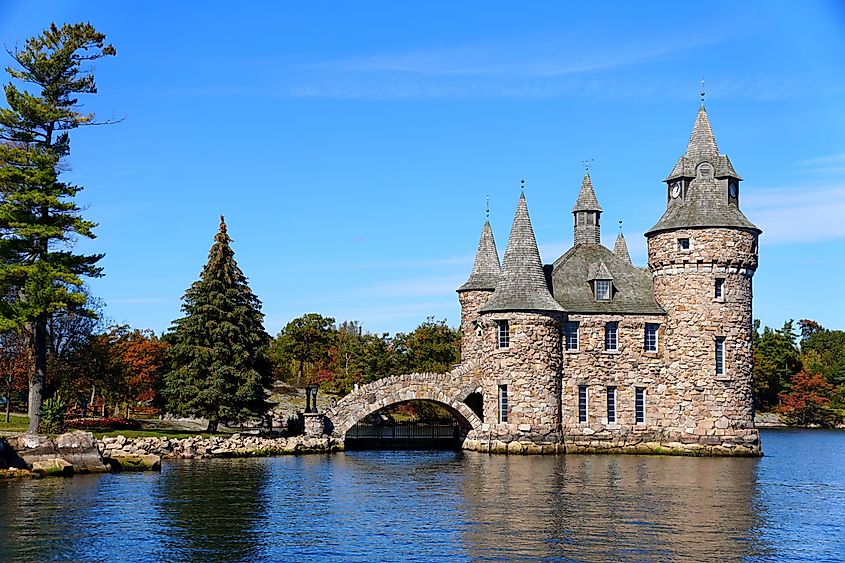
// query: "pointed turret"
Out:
[587,214]
[486,269]
[522,286]
[620,248]
[703,187]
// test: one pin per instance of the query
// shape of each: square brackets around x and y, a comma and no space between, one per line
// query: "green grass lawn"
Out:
[15,424]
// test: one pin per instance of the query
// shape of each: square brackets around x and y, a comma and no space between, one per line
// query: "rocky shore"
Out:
[236,445]
[30,455]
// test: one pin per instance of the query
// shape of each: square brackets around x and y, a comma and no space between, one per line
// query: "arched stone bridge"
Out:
[448,389]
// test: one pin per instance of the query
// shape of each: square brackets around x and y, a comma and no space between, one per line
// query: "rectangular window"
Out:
[720,355]
[611,339]
[683,244]
[503,403]
[503,334]
[719,290]
[602,290]
[582,403]
[611,405]
[572,335]
[651,337]
[639,404]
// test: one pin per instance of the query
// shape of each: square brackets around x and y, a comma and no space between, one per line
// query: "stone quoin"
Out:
[594,354]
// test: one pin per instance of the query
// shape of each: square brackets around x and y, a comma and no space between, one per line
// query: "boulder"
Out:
[147,462]
[56,467]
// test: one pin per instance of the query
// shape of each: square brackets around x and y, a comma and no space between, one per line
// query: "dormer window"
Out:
[602,290]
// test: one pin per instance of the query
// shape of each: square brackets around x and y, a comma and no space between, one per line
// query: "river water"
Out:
[437,506]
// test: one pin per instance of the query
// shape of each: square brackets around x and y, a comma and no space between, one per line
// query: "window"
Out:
[611,340]
[572,335]
[581,218]
[720,355]
[719,290]
[683,244]
[591,218]
[639,404]
[602,288]
[503,334]
[611,405]
[503,403]
[651,337]
[582,403]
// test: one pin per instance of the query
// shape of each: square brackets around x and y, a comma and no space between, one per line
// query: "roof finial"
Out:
[620,226]
[702,92]
[522,184]
[487,209]
[586,164]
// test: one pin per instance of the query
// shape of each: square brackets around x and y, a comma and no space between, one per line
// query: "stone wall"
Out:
[472,347]
[530,367]
[711,409]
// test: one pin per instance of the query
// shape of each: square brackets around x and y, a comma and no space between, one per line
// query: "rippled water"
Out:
[433,506]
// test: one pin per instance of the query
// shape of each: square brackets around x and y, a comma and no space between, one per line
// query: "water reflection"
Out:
[434,506]
[212,508]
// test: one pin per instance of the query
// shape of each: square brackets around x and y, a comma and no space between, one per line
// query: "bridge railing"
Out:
[410,430]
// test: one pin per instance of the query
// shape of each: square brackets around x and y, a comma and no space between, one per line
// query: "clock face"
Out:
[733,189]
[676,189]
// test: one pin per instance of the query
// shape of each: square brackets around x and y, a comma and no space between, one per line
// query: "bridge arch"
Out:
[447,389]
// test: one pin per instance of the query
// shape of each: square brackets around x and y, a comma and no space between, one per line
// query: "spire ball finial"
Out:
[620,225]
[702,92]
[586,164]
[522,184]
[487,208]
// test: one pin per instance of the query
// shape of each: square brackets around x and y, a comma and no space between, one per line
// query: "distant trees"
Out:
[313,349]
[39,221]
[219,359]
[800,375]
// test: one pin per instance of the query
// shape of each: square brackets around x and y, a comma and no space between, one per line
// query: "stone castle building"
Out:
[593,353]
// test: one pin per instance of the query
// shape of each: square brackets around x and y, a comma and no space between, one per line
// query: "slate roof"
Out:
[523,285]
[620,248]
[587,200]
[705,203]
[632,287]
[486,269]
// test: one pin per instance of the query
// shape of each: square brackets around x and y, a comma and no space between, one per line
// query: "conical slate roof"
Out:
[522,286]
[620,248]
[486,270]
[705,202]
[587,200]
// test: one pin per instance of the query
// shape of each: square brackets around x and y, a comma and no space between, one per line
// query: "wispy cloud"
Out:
[798,214]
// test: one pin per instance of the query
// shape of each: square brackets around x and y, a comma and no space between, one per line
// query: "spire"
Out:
[486,270]
[522,286]
[620,248]
[702,143]
[587,214]
[587,200]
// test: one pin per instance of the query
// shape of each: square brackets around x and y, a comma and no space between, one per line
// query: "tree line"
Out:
[799,372]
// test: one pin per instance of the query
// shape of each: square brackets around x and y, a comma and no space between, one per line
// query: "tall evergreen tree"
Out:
[219,362]
[39,221]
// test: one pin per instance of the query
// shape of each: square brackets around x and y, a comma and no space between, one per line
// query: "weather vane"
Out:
[702,91]
[522,184]
[586,164]
[487,209]
[620,226]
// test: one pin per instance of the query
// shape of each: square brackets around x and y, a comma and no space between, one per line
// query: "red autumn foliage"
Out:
[103,424]
[808,400]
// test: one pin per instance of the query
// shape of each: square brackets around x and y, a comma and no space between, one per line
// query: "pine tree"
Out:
[219,349]
[39,222]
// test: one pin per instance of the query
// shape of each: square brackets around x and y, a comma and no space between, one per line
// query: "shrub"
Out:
[103,424]
[52,416]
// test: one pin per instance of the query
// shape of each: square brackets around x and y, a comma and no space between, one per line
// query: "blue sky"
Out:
[351,146]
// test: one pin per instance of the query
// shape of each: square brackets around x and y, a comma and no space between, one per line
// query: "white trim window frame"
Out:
[571,335]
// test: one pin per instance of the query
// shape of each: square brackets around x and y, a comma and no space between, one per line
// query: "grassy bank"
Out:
[16,423]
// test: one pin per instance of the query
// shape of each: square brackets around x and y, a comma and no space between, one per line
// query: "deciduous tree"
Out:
[306,339]
[39,221]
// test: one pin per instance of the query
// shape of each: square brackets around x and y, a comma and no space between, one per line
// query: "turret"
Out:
[522,342]
[702,255]
[486,272]
[587,214]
